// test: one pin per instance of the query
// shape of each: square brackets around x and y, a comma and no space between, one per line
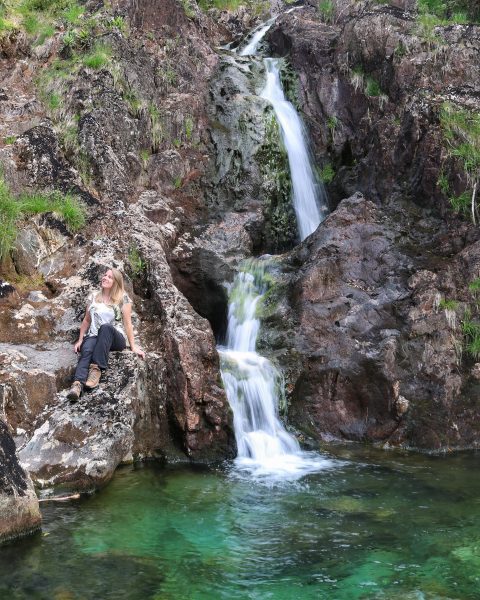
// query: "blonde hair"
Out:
[118,289]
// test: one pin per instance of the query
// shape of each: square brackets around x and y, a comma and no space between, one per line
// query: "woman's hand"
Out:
[139,351]
[77,345]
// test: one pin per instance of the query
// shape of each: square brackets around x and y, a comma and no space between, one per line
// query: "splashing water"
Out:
[309,198]
[258,35]
[254,386]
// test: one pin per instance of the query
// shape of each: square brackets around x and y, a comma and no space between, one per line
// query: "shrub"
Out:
[451,11]
[471,331]
[189,125]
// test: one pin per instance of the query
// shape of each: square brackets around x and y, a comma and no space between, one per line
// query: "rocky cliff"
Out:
[110,108]
[381,300]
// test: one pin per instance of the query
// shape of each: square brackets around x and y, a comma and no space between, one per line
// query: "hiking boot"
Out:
[94,375]
[75,391]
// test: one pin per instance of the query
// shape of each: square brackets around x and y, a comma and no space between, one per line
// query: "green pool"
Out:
[373,525]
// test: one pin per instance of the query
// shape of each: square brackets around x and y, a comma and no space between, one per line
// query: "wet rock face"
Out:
[371,355]
[19,511]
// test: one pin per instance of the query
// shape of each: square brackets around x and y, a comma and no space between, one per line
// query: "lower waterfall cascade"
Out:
[254,386]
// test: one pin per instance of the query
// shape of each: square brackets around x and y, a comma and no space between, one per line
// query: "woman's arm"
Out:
[87,319]
[127,321]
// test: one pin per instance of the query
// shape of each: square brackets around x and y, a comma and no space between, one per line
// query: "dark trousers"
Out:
[95,350]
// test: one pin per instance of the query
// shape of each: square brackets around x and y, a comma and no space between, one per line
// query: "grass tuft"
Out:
[66,206]
[98,57]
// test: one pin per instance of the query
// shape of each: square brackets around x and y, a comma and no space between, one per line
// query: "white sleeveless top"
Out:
[105,314]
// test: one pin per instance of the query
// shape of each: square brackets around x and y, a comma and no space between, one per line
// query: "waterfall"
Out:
[308,194]
[309,198]
[254,385]
[257,37]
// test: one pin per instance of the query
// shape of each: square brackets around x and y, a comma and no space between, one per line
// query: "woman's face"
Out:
[107,280]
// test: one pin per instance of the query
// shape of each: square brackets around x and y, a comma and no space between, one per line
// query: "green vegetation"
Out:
[426,24]
[461,204]
[188,126]
[471,324]
[327,173]
[68,136]
[135,262]
[133,101]
[450,11]
[156,126]
[145,157]
[289,79]
[332,124]
[220,4]
[117,22]
[461,131]
[167,76]
[326,10]
[189,8]
[357,76]
[474,287]
[255,7]
[471,332]
[372,87]
[39,17]
[368,84]
[445,304]
[435,13]
[84,167]
[9,139]
[66,206]
[100,56]
[280,221]
[177,182]
[53,101]
[443,182]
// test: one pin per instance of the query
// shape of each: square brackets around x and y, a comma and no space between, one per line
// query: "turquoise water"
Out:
[375,525]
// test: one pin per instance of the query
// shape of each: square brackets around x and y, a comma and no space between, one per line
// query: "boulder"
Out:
[19,510]
[371,356]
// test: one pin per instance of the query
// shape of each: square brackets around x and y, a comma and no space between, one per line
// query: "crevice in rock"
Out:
[205,292]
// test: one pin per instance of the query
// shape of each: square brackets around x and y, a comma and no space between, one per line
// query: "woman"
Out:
[101,331]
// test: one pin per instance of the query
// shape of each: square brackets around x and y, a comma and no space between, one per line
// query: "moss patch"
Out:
[280,222]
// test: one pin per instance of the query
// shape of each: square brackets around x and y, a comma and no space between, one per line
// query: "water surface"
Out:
[378,525]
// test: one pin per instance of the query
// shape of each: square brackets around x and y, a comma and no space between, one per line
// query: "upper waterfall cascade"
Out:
[309,198]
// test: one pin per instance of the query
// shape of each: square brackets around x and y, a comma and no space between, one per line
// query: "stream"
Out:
[379,525]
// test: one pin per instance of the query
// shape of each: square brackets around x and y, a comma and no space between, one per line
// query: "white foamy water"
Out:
[258,35]
[254,387]
[309,198]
